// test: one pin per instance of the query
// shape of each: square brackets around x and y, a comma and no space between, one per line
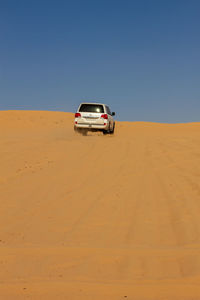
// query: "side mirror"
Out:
[113,113]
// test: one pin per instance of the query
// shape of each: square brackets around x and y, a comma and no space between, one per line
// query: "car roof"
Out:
[93,103]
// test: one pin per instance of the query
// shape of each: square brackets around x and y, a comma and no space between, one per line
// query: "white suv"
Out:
[94,117]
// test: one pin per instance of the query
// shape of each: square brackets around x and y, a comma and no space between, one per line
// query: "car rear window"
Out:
[93,108]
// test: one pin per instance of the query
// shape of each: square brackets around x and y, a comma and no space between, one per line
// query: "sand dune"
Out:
[98,217]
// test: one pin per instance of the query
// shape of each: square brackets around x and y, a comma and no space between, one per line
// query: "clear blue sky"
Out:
[140,57]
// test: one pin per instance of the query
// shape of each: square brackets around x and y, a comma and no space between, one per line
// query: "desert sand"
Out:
[98,217]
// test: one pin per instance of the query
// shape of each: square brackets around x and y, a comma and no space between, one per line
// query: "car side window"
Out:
[108,111]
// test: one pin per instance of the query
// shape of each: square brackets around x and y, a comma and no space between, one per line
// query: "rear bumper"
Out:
[92,126]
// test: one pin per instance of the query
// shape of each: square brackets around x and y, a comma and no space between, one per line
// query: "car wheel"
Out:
[105,132]
[113,130]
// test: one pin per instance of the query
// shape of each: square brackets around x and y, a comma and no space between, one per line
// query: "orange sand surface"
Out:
[98,217]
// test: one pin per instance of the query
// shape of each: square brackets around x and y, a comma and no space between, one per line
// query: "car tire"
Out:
[105,132]
[113,130]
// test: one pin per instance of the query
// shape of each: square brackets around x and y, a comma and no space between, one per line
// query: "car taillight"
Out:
[104,116]
[77,115]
